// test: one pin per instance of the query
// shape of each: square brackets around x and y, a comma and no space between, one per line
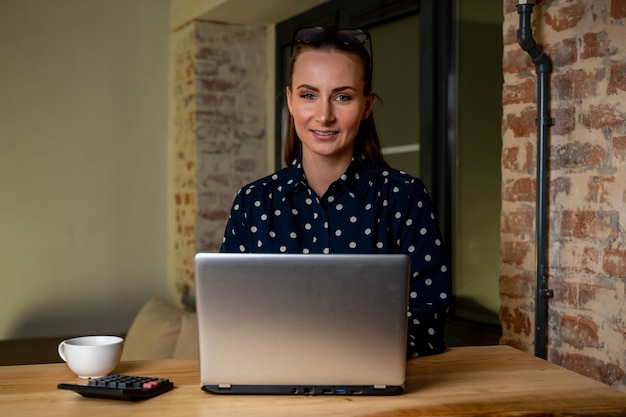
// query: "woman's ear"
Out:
[288,94]
[369,105]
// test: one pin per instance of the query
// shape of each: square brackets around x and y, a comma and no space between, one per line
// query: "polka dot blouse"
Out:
[366,211]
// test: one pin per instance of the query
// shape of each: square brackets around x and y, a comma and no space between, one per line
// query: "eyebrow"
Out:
[335,90]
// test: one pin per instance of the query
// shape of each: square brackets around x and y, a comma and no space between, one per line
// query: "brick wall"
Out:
[586,41]
[219,132]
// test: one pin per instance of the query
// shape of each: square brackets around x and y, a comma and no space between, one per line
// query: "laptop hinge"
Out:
[380,386]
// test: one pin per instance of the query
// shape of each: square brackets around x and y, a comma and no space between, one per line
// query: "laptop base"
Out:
[302,390]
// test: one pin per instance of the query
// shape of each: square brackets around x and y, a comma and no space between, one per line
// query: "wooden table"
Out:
[467,381]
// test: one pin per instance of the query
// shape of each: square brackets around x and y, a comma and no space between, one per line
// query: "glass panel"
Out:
[477,193]
[396,81]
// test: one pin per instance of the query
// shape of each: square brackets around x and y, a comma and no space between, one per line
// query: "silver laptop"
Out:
[302,324]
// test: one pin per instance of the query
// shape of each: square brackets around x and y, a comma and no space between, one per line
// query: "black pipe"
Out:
[543,66]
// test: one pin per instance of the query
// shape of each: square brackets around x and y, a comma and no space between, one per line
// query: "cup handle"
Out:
[61,351]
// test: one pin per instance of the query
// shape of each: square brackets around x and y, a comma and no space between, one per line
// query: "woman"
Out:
[337,193]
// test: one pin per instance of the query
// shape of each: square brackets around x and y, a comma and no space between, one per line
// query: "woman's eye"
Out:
[343,97]
[307,96]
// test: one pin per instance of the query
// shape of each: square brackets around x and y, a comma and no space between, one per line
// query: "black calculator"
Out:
[121,387]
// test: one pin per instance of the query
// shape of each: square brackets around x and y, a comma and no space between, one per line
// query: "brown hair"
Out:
[367,141]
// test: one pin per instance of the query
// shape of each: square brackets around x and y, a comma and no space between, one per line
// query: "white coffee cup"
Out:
[92,356]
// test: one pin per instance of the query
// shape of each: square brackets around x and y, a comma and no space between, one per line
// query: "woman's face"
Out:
[327,103]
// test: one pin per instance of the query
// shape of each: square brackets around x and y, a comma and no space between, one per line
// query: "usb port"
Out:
[327,391]
[340,390]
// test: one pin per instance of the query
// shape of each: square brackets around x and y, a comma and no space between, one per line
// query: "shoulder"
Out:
[391,177]
[274,182]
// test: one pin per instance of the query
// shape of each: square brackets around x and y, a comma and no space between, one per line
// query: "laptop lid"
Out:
[302,324]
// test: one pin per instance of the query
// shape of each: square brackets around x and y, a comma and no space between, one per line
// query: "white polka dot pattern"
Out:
[368,211]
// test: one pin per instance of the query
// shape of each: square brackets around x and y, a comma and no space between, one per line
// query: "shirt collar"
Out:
[290,178]
[354,180]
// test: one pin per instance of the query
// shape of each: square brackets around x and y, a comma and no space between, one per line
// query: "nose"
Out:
[325,113]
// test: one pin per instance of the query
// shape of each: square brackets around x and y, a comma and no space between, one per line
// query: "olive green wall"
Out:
[83,159]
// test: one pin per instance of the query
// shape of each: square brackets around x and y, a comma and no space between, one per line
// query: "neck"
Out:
[321,172]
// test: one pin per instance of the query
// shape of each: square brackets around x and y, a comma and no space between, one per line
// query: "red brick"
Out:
[217,179]
[576,155]
[587,292]
[529,161]
[566,17]
[560,185]
[576,223]
[522,189]
[520,221]
[577,84]
[515,320]
[516,61]
[511,158]
[564,292]
[565,120]
[209,214]
[617,78]
[510,6]
[597,45]
[515,342]
[523,125]
[619,147]
[563,86]
[605,226]
[592,367]
[513,253]
[518,286]
[603,116]
[246,165]
[589,263]
[510,34]
[523,92]
[577,257]
[614,262]
[598,189]
[618,9]
[563,53]
[587,223]
[578,331]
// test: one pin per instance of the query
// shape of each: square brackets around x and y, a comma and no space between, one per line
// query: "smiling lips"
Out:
[324,133]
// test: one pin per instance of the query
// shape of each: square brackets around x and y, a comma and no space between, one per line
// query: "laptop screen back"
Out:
[293,324]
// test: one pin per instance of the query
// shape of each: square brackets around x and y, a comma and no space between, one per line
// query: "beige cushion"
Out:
[154,332]
[187,345]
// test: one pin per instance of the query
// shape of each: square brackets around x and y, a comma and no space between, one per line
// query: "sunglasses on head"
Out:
[346,37]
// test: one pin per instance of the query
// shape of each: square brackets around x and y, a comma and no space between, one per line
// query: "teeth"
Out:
[317,132]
